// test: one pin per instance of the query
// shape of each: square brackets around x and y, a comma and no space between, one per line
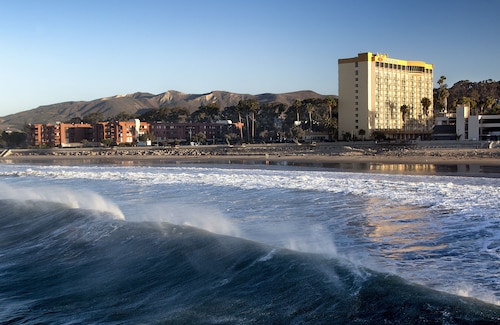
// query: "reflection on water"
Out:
[401,229]
[375,167]
[404,168]
[423,169]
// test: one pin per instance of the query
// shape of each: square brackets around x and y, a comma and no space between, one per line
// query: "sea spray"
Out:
[203,217]
[311,239]
[306,238]
[83,199]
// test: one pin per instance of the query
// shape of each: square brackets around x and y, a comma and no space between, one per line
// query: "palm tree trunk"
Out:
[253,126]
[241,128]
[248,131]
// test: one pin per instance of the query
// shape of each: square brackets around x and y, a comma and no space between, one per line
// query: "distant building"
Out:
[187,132]
[463,126]
[120,132]
[488,127]
[476,127]
[58,134]
[373,88]
[34,134]
[75,134]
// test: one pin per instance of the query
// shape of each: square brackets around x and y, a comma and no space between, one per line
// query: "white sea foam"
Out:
[481,194]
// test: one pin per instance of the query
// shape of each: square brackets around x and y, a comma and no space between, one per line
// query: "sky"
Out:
[53,51]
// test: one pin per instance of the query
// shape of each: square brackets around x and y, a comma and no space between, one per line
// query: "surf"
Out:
[73,265]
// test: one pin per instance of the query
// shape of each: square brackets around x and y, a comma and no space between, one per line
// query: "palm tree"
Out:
[490,101]
[404,111]
[331,125]
[253,106]
[248,107]
[441,81]
[239,109]
[310,110]
[330,102]
[443,93]
[426,103]
[296,105]
[362,133]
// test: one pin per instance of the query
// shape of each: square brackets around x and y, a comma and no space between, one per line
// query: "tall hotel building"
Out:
[381,94]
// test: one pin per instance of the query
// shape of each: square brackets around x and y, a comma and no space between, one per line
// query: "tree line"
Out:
[252,121]
[482,97]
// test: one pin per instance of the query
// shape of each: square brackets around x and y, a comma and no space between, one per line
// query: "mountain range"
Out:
[140,102]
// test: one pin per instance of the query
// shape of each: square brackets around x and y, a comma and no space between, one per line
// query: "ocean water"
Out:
[240,244]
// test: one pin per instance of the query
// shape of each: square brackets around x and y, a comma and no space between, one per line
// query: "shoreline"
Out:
[474,154]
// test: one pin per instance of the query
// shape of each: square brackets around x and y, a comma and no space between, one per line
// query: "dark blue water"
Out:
[75,266]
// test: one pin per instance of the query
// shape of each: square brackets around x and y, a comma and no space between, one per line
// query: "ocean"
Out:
[246,244]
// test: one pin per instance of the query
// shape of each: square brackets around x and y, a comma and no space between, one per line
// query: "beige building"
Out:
[382,94]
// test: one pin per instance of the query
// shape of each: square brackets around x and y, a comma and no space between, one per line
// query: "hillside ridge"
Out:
[142,101]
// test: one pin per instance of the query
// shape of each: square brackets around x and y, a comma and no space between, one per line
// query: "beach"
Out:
[429,152]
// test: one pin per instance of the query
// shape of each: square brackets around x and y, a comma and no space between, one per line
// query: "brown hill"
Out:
[141,102]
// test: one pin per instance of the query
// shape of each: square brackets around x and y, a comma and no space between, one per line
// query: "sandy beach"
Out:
[448,153]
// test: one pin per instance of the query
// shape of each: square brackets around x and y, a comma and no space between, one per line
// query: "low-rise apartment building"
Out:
[120,131]
[58,134]
[187,132]
[74,134]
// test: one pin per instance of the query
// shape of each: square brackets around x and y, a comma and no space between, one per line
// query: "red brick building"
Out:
[58,134]
[74,134]
[120,131]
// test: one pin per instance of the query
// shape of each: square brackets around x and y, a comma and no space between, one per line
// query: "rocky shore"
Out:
[419,152]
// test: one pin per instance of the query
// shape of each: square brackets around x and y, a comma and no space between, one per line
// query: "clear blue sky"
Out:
[53,51]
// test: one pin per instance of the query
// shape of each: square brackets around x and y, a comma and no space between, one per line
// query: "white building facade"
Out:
[476,127]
